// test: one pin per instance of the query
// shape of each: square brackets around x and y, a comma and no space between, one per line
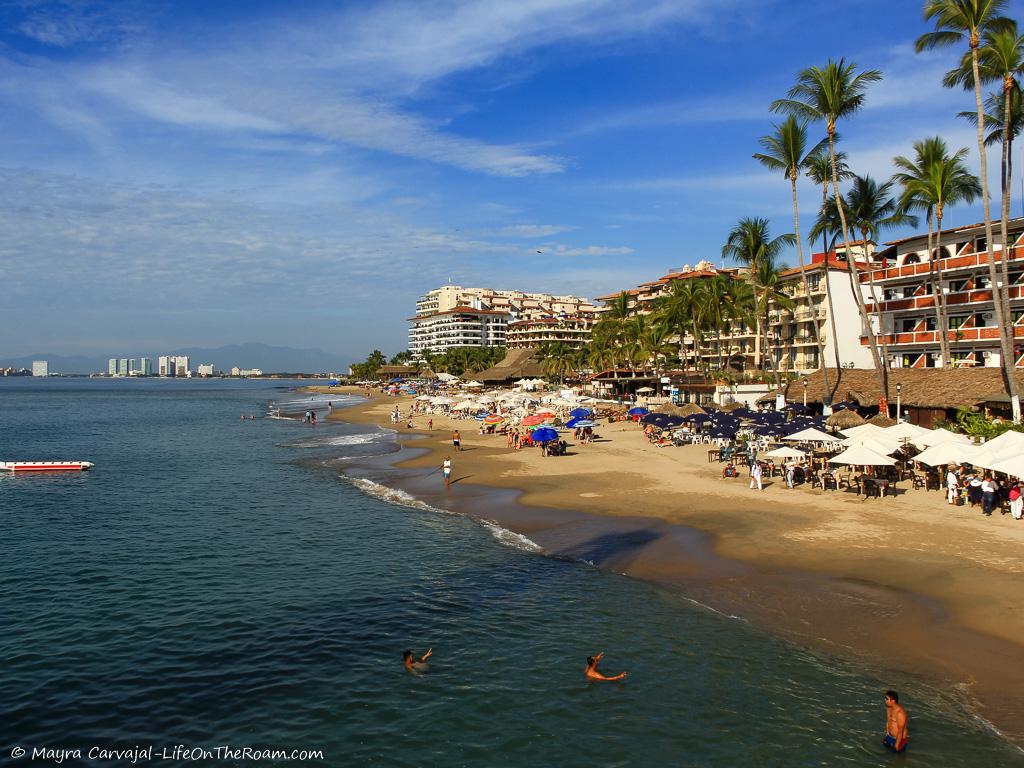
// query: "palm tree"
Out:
[750,243]
[932,181]
[767,296]
[819,170]
[786,151]
[558,359]
[675,310]
[831,93]
[955,21]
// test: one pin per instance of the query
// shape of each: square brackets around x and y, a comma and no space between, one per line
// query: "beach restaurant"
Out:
[924,396]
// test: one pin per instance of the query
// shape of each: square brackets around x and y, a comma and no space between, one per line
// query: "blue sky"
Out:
[203,173]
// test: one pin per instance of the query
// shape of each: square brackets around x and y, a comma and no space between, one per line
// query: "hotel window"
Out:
[955,286]
[980,245]
[982,281]
[956,322]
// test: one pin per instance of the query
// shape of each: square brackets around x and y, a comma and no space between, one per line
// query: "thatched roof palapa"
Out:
[670,409]
[691,409]
[937,388]
[733,406]
[845,419]
[881,420]
[517,364]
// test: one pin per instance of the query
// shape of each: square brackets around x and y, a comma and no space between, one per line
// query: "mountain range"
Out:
[252,355]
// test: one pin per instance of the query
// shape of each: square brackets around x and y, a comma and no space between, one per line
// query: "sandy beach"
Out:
[906,584]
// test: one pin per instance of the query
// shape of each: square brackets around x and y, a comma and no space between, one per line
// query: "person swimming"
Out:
[592,673]
[896,733]
[417,667]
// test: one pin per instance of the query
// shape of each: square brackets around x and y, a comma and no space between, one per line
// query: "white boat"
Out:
[45,466]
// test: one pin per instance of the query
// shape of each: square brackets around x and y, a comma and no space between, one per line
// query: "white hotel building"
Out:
[452,316]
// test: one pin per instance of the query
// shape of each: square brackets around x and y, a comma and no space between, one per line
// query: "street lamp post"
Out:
[805,392]
[899,402]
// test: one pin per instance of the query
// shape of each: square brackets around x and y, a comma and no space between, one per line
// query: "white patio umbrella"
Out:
[862,430]
[949,452]
[1013,466]
[785,452]
[811,435]
[465,405]
[441,401]
[645,389]
[423,397]
[472,385]
[939,436]
[877,444]
[904,430]
[862,456]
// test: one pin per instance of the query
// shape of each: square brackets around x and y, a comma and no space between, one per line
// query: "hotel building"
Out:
[790,332]
[573,331]
[905,291]
[40,368]
[453,316]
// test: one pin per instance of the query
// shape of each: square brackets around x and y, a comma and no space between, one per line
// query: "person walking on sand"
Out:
[414,666]
[896,733]
[592,673]
[457,440]
[755,476]
[446,470]
[430,425]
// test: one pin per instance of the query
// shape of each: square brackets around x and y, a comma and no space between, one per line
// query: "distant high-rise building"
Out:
[182,367]
[205,369]
[133,367]
[40,368]
[112,366]
[122,366]
[145,366]
[166,366]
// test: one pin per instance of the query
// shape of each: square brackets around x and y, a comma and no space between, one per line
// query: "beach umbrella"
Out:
[544,435]
[673,421]
[638,411]
[441,400]
[545,412]
[493,419]
[722,432]
[1013,467]
[785,452]
[697,418]
[574,423]
[862,430]
[423,397]
[645,389]
[473,385]
[465,405]
[939,436]
[862,456]
[579,413]
[951,452]
[812,435]
[796,408]
[531,421]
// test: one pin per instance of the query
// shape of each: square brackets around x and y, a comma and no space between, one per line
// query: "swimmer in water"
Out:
[593,674]
[420,666]
[896,733]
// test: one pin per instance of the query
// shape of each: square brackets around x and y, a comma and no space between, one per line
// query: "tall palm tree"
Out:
[970,20]
[1000,60]
[786,151]
[831,93]
[932,181]
[871,210]
[819,170]
[768,294]
[750,243]
[558,359]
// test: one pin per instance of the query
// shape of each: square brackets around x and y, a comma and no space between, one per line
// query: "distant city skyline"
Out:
[298,174]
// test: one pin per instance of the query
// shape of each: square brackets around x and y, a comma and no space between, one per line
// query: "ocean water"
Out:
[217,581]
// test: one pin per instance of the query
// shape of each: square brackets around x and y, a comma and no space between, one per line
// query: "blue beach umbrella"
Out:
[579,413]
[674,421]
[584,423]
[544,435]
[638,411]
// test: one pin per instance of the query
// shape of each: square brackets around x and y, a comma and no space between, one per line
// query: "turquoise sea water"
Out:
[215,582]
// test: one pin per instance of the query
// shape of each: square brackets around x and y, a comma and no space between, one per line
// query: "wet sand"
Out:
[909,586]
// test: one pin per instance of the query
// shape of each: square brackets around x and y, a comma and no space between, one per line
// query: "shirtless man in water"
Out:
[896,733]
[593,674]
[417,666]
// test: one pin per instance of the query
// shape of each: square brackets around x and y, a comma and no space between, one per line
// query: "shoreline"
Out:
[765,558]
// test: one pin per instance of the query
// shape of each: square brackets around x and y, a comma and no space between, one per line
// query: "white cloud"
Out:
[589,250]
[533,230]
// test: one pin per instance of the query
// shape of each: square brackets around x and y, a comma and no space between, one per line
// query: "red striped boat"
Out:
[45,466]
